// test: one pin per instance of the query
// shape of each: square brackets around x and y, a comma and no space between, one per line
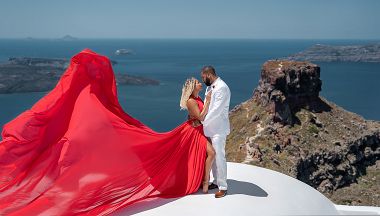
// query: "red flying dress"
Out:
[76,152]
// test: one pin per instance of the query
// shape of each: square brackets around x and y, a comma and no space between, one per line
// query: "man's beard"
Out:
[207,82]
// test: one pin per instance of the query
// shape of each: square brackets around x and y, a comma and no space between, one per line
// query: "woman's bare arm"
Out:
[194,111]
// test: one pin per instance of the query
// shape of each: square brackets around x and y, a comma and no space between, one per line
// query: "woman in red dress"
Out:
[191,101]
[76,152]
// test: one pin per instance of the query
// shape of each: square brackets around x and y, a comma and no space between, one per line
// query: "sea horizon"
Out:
[171,61]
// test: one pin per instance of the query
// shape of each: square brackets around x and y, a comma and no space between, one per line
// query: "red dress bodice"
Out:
[200,105]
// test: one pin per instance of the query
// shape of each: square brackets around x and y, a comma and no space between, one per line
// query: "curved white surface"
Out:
[252,191]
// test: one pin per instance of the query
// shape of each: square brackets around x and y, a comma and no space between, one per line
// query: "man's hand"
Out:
[196,123]
[208,96]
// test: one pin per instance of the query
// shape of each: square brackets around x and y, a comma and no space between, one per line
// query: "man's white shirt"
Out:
[217,121]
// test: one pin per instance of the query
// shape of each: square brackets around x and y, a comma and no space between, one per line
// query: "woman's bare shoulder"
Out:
[191,104]
[191,101]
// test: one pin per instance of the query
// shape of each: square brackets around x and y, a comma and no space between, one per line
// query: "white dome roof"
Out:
[252,191]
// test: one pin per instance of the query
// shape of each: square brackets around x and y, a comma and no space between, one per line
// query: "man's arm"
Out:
[217,109]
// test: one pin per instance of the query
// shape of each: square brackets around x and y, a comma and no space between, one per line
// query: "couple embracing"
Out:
[212,115]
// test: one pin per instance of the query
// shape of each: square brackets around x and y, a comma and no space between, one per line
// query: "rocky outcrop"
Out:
[287,86]
[286,126]
[328,53]
[24,74]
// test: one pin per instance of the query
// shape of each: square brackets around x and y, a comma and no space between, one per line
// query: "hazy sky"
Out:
[310,19]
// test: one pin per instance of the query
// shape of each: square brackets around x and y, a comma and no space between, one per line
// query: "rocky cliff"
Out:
[288,127]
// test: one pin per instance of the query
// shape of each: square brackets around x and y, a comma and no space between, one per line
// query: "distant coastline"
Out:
[25,74]
[347,53]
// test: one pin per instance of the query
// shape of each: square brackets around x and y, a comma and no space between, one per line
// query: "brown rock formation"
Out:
[287,86]
[286,126]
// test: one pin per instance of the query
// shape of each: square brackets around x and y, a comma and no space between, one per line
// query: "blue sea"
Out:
[354,86]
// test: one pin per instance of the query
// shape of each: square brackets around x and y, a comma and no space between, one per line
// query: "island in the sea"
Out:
[68,38]
[348,53]
[25,74]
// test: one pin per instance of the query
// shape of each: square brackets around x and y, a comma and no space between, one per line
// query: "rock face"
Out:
[330,170]
[287,86]
[328,53]
[42,74]
[286,126]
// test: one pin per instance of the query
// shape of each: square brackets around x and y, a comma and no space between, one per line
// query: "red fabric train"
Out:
[76,152]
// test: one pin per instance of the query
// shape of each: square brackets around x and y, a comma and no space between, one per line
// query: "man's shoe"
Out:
[220,193]
[212,186]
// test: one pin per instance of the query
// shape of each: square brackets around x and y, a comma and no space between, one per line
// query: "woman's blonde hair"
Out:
[187,90]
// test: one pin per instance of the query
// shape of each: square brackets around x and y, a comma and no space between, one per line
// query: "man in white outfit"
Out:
[216,126]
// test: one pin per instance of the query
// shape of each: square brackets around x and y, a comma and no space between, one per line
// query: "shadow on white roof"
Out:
[252,191]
